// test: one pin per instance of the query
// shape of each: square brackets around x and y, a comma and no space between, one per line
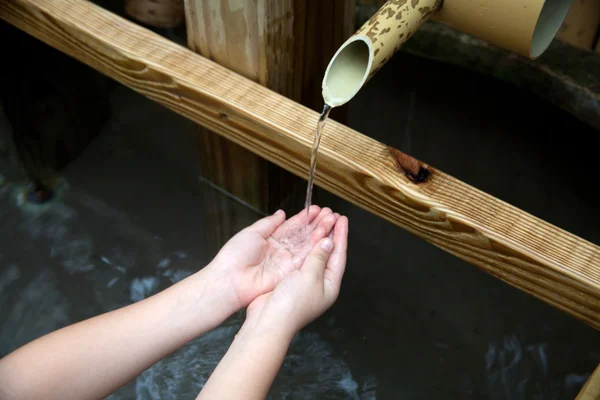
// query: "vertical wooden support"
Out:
[581,24]
[282,44]
[156,13]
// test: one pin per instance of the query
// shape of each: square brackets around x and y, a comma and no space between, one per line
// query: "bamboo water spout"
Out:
[526,27]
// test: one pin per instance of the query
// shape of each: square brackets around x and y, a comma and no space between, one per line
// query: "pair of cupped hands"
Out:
[284,287]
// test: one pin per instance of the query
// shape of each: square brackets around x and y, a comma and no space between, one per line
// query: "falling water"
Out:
[313,156]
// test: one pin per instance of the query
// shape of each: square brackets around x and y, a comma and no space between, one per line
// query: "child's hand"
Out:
[306,293]
[256,259]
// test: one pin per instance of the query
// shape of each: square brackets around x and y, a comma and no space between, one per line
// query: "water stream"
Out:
[313,156]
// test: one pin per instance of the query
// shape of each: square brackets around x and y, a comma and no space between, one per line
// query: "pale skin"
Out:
[282,290]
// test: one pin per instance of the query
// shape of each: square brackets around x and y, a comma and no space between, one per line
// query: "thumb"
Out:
[266,226]
[316,261]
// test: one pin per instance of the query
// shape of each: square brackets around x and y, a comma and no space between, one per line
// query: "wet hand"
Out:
[306,293]
[256,259]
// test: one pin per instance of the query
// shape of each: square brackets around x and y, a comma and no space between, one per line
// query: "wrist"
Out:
[262,328]
[222,286]
[250,365]
[202,301]
[277,340]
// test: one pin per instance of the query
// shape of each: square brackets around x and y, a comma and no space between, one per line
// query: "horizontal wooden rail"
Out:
[533,255]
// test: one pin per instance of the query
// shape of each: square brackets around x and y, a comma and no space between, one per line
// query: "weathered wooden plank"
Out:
[531,254]
[236,35]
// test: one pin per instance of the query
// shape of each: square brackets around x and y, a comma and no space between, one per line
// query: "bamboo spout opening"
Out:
[365,53]
[347,71]
[551,18]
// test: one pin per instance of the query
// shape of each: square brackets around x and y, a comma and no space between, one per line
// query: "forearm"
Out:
[249,367]
[93,358]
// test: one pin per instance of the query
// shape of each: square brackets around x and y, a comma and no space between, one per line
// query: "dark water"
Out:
[313,156]
[101,244]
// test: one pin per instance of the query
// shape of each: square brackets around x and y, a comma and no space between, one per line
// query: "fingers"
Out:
[330,236]
[337,261]
[324,228]
[325,212]
[317,258]
[313,212]
[325,225]
[298,220]
[266,226]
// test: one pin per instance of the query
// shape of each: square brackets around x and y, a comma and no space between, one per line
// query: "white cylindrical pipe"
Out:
[526,27]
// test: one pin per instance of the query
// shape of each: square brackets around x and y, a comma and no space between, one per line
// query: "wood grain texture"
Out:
[269,42]
[531,254]
[591,389]
[237,34]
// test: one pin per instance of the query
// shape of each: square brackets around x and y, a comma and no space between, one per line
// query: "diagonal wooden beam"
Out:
[531,254]
[591,389]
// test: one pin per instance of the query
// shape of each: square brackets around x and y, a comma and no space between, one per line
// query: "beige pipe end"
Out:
[551,18]
[525,27]
[348,71]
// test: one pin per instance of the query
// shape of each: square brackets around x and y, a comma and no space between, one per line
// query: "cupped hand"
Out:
[307,292]
[260,256]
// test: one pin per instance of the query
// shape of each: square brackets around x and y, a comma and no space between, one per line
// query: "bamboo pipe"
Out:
[365,52]
[526,27]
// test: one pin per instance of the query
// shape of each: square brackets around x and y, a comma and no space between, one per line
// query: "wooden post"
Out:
[156,13]
[284,45]
[581,24]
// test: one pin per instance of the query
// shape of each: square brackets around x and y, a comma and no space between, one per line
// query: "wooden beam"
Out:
[531,254]
[591,389]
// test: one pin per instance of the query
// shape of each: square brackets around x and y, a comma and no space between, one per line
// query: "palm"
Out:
[259,261]
[308,291]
